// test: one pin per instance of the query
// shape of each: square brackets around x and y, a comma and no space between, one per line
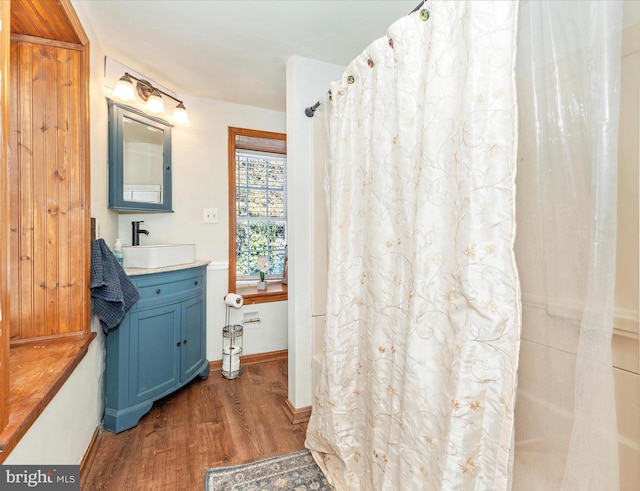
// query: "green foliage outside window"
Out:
[261,221]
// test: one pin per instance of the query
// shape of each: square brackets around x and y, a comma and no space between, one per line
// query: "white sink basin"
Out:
[158,255]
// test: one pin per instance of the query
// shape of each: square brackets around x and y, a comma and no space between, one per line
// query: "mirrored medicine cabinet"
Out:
[139,161]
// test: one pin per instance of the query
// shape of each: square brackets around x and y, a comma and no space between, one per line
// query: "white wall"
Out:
[626,347]
[200,177]
[200,180]
[307,82]
[630,12]
[270,334]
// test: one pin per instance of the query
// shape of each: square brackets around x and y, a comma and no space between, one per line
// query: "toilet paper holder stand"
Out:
[231,346]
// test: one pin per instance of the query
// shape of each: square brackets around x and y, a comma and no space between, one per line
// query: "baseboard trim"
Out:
[296,415]
[253,359]
[90,453]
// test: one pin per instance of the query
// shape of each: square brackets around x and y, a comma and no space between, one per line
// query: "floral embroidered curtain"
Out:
[418,383]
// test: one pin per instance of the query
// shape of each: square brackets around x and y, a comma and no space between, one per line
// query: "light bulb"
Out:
[155,104]
[180,115]
[124,88]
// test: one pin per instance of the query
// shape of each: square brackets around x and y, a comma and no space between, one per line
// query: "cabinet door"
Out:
[154,357]
[193,336]
[139,161]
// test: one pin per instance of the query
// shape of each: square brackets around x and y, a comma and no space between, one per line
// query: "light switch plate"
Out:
[210,215]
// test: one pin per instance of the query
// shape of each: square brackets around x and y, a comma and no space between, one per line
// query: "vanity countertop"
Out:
[164,269]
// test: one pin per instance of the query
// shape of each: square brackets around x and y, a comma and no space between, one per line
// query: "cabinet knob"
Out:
[158,291]
[178,344]
[195,282]
[184,342]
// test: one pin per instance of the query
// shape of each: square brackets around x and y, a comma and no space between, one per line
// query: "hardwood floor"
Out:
[208,423]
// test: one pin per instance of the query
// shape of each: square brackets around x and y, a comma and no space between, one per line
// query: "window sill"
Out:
[38,369]
[275,292]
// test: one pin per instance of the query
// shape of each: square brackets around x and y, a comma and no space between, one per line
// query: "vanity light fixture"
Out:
[126,90]
[180,115]
[155,104]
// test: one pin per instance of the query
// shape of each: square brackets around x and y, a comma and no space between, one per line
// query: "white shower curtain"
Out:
[568,78]
[418,381]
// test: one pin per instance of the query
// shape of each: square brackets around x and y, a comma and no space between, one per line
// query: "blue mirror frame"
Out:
[117,113]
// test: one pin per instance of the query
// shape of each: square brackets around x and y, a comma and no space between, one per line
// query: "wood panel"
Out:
[49,220]
[4,213]
[211,423]
[47,19]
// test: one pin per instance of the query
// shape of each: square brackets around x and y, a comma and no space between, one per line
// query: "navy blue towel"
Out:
[112,291]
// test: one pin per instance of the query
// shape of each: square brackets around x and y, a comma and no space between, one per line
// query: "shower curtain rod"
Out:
[309,111]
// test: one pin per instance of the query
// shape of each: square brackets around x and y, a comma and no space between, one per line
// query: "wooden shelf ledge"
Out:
[38,369]
[275,292]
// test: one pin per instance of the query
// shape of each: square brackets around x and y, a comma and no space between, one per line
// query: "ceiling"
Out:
[235,51]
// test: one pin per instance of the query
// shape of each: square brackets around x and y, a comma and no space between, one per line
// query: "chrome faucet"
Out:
[136,231]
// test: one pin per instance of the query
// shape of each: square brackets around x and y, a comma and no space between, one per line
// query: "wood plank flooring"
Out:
[211,423]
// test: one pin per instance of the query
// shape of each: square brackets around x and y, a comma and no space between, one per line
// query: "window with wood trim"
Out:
[257,213]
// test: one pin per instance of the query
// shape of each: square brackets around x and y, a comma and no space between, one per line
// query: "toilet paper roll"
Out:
[234,300]
[230,358]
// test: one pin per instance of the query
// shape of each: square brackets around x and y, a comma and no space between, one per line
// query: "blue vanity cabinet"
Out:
[158,347]
[193,339]
[154,361]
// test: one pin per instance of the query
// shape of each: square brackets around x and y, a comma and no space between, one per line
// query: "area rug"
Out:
[295,471]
